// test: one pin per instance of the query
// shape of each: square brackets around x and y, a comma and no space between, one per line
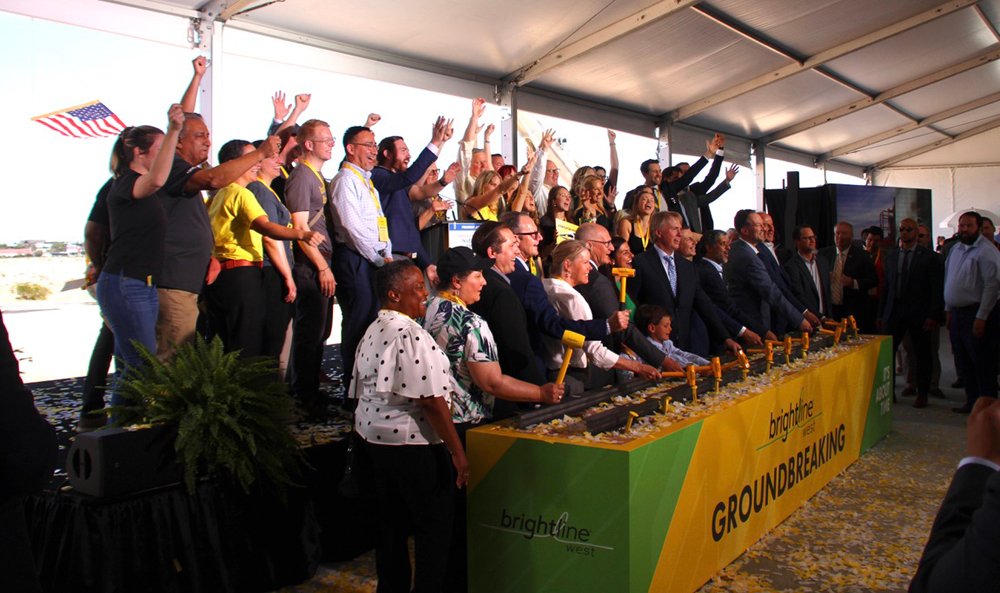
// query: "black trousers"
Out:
[899,327]
[312,313]
[236,309]
[414,493]
[358,304]
[975,358]
[277,313]
[96,381]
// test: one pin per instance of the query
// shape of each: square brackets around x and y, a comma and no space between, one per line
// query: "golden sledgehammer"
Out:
[570,340]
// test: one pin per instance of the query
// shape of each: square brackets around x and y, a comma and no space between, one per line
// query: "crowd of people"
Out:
[437,340]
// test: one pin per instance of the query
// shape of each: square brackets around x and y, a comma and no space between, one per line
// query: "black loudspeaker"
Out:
[116,461]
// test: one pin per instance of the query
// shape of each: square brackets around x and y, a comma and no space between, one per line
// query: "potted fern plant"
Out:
[231,414]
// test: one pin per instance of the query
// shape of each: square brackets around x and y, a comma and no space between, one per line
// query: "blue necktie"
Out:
[671,273]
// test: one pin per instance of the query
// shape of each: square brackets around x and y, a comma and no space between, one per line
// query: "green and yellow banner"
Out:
[666,511]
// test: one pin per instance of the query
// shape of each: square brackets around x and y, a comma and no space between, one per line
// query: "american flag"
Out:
[91,120]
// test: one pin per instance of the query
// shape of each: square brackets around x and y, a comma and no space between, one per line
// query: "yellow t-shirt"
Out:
[231,211]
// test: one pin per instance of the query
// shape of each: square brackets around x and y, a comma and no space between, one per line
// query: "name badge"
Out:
[383,229]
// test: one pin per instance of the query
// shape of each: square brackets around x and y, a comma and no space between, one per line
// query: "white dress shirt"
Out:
[355,210]
[570,304]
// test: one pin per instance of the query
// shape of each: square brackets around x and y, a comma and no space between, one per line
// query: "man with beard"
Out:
[971,289]
[394,179]
[808,275]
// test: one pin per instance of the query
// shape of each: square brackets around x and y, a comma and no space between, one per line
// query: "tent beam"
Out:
[990,55]
[614,31]
[696,107]
[986,127]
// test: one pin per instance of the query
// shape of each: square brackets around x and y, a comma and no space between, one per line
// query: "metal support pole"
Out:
[508,124]
[759,153]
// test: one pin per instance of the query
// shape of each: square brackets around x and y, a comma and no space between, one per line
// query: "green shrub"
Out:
[30,291]
[232,414]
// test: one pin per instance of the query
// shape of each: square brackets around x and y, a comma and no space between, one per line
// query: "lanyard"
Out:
[322,182]
[643,236]
[368,184]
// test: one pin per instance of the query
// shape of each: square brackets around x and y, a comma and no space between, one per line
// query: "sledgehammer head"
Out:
[622,274]
[570,340]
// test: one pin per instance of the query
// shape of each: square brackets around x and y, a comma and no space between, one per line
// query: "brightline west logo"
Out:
[797,414]
[576,539]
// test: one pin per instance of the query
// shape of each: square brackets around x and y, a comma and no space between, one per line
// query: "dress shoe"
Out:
[920,402]
[936,392]
[908,392]
[963,410]
[958,384]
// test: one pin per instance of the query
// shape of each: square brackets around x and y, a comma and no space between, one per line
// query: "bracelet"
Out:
[442,182]
[323,270]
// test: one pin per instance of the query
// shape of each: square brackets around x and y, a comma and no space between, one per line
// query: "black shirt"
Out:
[188,243]
[137,232]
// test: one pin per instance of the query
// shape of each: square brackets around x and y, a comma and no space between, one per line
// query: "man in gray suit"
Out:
[751,287]
[808,275]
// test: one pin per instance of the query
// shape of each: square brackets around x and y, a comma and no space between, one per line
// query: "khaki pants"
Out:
[177,321]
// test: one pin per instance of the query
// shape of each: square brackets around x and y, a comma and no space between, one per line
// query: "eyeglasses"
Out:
[535,233]
[607,243]
[433,171]
[368,145]
[323,140]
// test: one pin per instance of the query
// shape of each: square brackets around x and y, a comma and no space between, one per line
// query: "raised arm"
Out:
[226,173]
[190,98]
[301,104]
[613,171]
[151,181]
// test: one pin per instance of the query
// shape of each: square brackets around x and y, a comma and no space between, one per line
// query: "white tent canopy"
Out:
[906,91]
[846,82]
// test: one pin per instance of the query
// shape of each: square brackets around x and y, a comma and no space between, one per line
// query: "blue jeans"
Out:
[130,307]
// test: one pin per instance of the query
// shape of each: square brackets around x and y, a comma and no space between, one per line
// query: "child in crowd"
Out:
[654,323]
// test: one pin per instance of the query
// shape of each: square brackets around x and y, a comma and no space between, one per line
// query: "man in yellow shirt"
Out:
[235,297]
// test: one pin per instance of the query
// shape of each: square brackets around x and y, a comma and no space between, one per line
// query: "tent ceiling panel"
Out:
[776,105]
[488,39]
[966,121]
[907,56]
[668,63]
[902,143]
[956,90]
[685,59]
[807,28]
[845,130]
[980,149]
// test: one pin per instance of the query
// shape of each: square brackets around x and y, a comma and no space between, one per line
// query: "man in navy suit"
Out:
[808,275]
[768,254]
[714,250]
[913,301]
[852,274]
[672,283]
[963,549]
[751,286]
